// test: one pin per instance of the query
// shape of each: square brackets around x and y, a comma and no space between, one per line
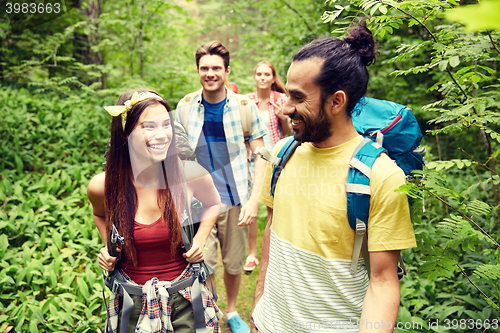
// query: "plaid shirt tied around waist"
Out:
[156,311]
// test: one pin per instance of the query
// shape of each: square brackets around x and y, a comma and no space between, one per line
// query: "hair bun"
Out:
[361,40]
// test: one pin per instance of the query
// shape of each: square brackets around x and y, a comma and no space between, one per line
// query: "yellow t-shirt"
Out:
[310,202]
[308,283]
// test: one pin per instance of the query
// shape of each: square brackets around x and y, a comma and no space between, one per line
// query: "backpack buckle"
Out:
[360,227]
[115,287]
[115,236]
[264,153]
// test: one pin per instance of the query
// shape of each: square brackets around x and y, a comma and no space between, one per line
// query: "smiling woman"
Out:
[150,141]
[143,196]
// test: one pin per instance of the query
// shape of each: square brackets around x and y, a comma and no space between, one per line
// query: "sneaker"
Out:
[238,325]
[250,264]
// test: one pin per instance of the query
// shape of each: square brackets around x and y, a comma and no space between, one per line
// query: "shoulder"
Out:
[252,96]
[277,147]
[189,98]
[241,103]
[386,165]
[95,189]
[194,171]
[242,100]
[385,170]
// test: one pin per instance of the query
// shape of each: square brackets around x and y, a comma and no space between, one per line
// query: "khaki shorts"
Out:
[232,238]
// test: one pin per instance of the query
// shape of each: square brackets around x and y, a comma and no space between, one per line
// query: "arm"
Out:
[250,209]
[264,262]
[95,193]
[204,190]
[381,301]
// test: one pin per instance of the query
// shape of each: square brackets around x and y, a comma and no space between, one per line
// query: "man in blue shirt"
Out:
[213,122]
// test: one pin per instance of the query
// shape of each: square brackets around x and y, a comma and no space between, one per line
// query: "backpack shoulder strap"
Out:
[185,107]
[187,222]
[358,192]
[246,115]
[284,155]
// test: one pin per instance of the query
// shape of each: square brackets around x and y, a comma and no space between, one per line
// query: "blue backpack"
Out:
[389,128]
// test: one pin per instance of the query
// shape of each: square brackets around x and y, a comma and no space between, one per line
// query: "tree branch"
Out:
[492,42]
[297,12]
[478,163]
[480,291]
[435,41]
[464,216]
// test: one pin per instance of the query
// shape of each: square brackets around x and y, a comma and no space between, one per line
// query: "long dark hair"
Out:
[344,65]
[278,84]
[120,194]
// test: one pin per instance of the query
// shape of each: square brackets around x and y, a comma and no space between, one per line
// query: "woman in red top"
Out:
[143,189]
[270,98]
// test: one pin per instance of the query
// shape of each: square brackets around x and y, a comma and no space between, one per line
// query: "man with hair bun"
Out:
[305,283]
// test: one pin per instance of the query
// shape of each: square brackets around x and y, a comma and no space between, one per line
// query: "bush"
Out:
[52,146]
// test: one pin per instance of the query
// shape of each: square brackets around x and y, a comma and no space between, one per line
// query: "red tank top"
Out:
[154,255]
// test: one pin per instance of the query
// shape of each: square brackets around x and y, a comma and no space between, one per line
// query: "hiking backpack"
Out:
[389,128]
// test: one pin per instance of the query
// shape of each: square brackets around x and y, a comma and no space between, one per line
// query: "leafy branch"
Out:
[298,13]
[461,214]
[492,41]
[475,286]
[395,6]
[477,162]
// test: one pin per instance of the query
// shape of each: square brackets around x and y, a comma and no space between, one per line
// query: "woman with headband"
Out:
[141,201]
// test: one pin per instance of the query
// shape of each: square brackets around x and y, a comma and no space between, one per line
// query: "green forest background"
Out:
[55,76]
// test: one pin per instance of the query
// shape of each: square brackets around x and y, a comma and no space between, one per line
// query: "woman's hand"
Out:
[278,110]
[195,253]
[107,262]
[286,126]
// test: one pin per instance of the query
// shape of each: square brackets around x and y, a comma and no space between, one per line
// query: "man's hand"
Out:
[195,253]
[107,262]
[249,212]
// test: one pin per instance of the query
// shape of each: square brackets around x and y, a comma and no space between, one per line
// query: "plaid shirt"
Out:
[156,311]
[274,120]
[233,132]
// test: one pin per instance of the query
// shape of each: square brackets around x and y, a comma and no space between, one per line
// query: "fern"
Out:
[489,272]
[477,207]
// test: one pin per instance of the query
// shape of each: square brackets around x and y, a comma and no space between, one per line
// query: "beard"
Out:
[315,130]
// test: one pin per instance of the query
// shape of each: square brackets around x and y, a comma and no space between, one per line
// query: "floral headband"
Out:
[122,110]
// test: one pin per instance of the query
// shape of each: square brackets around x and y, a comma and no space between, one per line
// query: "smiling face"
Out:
[151,137]
[212,73]
[264,77]
[310,121]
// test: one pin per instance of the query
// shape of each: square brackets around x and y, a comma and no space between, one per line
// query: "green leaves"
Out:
[82,287]
[443,165]
[48,241]
[484,16]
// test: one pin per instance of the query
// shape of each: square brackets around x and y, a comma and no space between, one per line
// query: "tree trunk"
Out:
[84,43]
[141,51]
[492,164]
